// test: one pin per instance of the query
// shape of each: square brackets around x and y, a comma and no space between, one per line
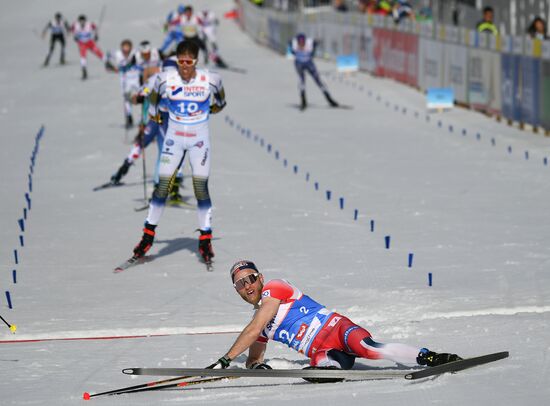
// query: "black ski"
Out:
[269,373]
[107,185]
[131,262]
[457,365]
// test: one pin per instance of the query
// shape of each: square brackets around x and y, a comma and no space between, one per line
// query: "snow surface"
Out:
[473,214]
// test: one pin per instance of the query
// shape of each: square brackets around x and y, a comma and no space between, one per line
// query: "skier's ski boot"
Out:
[323,380]
[330,100]
[123,170]
[146,241]
[432,359]
[174,196]
[205,246]
[303,100]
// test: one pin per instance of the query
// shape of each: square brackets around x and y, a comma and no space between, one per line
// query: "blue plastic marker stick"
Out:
[238,127]
[526,154]
[387,241]
[372,226]
[307,177]
[478,136]
[439,123]
[328,194]
[28,198]
[30,183]
[276,154]
[21,241]
[31,169]
[545,161]
[268,147]
[14,276]
[21,225]
[410,260]
[341,203]
[430,279]
[404,110]
[355,214]
[25,213]
[450,128]
[8,298]
[493,142]
[316,185]
[509,149]
[262,142]
[16,257]
[285,163]
[295,169]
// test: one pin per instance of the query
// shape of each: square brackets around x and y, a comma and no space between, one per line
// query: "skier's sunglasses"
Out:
[250,279]
[186,62]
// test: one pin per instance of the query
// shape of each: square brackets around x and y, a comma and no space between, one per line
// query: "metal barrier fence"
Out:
[502,75]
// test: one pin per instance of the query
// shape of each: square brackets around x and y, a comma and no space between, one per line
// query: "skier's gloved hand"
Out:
[259,365]
[222,363]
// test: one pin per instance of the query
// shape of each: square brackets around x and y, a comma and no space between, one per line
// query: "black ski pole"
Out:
[87,396]
[12,327]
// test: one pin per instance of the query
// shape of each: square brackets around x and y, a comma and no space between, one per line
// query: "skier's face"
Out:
[249,284]
[187,64]
[126,49]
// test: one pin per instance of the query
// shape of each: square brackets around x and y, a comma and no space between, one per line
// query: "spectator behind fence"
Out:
[487,25]
[538,29]
[402,10]
[340,5]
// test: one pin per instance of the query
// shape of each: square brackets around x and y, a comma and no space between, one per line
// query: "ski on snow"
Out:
[322,373]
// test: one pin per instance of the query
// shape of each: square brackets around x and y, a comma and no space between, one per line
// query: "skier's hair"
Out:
[126,42]
[188,47]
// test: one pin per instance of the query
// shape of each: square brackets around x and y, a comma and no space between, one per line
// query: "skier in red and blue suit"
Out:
[329,339]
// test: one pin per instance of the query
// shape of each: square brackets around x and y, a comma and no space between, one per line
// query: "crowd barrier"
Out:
[502,75]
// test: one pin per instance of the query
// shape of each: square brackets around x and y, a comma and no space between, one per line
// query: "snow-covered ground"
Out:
[473,214]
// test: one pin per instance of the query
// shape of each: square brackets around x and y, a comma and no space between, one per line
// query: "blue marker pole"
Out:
[8,298]
[268,147]
[387,241]
[328,194]
[21,225]
[355,214]
[24,213]
[14,275]
[372,226]
[463,131]
[16,257]
[478,136]
[545,161]
[285,163]
[28,198]
[526,154]
[276,154]
[430,279]
[295,169]
[509,149]
[410,260]
[341,203]
[21,241]
[316,185]
[493,142]
[307,177]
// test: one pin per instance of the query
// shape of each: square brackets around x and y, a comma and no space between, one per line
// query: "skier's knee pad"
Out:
[161,190]
[200,186]
[341,359]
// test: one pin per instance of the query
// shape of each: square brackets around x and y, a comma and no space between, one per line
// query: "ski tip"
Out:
[128,371]
[86,396]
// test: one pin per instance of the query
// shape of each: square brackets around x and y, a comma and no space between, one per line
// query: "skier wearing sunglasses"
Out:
[284,314]
[190,95]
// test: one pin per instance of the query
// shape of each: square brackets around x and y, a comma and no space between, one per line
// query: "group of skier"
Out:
[177,98]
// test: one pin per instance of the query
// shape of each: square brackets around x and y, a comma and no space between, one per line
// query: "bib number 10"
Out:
[188,108]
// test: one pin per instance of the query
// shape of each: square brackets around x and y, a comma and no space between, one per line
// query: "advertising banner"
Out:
[530,76]
[455,72]
[544,111]
[510,86]
[430,67]
[480,82]
[396,55]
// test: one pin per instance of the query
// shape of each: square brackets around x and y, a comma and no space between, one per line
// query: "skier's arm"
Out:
[256,353]
[46,28]
[250,334]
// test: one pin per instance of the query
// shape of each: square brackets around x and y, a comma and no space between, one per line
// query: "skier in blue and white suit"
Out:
[303,49]
[191,94]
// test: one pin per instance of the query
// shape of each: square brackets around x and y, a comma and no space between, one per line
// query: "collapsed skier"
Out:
[330,340]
